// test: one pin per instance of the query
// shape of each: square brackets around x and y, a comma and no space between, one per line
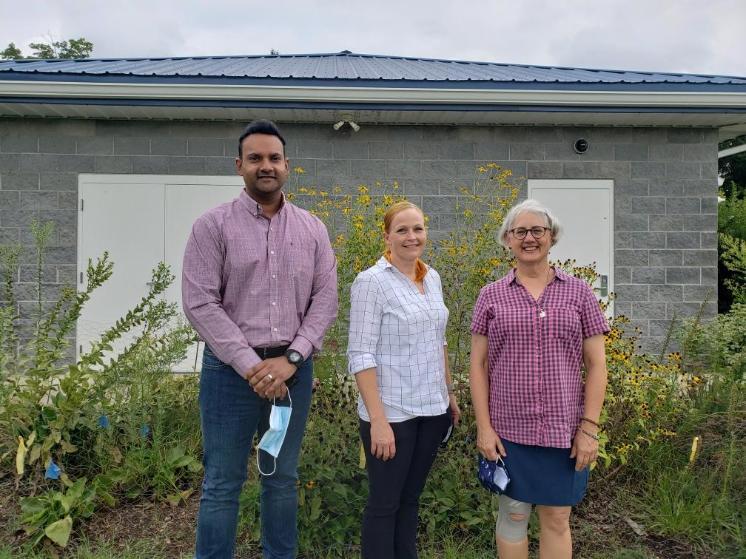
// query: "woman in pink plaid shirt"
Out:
[532,332]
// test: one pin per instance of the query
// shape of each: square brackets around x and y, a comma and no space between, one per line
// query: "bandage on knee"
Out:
[512,519]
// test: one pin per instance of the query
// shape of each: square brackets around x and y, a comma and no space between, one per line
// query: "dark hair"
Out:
[260,126]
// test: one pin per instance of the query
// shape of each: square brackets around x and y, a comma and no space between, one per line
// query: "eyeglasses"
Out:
[536,232]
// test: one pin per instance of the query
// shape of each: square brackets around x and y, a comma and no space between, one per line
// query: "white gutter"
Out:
[731,151]
[134,91]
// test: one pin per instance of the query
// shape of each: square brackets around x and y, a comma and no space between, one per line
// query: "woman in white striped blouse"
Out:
[397,353]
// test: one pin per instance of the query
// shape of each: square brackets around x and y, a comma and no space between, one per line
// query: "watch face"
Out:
[294,357]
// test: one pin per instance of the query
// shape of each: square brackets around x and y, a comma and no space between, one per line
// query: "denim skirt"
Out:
[543,475]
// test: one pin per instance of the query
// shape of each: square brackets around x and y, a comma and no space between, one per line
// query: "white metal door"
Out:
[184,204]
[586,210]
[140,220]
[126,220]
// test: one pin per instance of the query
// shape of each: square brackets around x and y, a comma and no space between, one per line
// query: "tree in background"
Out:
[74,48]
[732,227]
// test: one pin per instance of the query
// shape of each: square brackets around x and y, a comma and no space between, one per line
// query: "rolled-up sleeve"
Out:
[366,310]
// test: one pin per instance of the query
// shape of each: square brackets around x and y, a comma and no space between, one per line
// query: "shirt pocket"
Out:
[564,323]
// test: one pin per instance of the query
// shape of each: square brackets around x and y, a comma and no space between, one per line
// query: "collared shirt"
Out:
[252,281]
[400,333]
[535,352]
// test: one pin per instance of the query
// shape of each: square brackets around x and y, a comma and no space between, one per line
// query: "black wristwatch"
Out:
[295,358]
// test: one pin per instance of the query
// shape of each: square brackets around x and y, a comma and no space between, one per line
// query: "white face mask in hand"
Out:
[271,441]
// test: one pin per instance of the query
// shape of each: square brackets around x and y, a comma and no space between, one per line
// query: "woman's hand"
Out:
[455,410]
[489,443]
[584,449]
[382,443]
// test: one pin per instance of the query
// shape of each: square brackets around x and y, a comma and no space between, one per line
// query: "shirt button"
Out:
[273,276]
[271,251]
[274,303]
[275,329]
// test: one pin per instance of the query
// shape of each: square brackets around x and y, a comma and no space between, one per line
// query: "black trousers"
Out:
[394,487]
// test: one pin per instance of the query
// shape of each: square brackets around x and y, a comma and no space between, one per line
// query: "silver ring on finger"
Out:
[270,377]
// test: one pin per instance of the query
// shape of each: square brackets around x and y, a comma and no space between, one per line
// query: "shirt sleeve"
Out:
[482,314]
[592,319]
[202,301]
[366,312]
[324,303]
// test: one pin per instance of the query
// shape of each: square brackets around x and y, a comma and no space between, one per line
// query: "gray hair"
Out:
[534,207]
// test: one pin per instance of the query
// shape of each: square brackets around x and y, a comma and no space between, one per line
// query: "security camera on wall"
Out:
[581,145]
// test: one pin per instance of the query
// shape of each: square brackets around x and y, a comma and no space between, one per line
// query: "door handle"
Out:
[603,285]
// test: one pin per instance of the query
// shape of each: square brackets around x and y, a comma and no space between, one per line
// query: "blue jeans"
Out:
[231,413]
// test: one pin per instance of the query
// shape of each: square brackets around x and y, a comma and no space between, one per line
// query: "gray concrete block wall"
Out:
[664,186]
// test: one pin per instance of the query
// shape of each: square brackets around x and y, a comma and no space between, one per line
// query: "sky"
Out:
[689,36]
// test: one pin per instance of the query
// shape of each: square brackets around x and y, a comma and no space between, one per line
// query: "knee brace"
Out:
[512,519]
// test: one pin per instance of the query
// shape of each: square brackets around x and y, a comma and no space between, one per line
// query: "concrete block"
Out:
[581,170]
[168,146]
[440,205]
[186,165]
[618,170]
[386,150]
[526,152]
[60,163]
[661,328]
[308,166]
[709,171]
[687,205]
[96,145]
[10,200]
[685,135]
[16,218]
[700,257]
[708,240]
[332,167]
[667,293]
[631,292]
[631,222]
[38,200]
[632,187]
[368,169]
[206,146]
[127,128]
[666,152]
[19,144]
[67,200]
[622,309]
[402,169]
[67,275]
[709,205]
[709,276]
[647,169]
[63,182]
[648,310]
[622,274]
[439,169]
[648,239]
[19,181]
[350,150]
[224,166]
[680,310]
[315,149]
[666,187]
[648,275]
[700,152]
[700,222]
[544,169]
[631,152]
[683,239]
[149,165]
[131,146]
[699,187]
[631,257]
[457,151]
[421,150]
[113,164]
[683,276]
[9,163]
[699,293]
[640,205]
[9,235]
[682,170]
[29,274]
[56,144]
[491,151]
[666,257]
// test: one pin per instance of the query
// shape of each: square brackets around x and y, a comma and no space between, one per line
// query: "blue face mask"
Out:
[271,441]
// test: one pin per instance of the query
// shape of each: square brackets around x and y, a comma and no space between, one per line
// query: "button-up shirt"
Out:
[534,356]
[400,333]
[253,281]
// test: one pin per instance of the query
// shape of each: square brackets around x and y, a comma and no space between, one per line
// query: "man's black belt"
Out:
[269,352]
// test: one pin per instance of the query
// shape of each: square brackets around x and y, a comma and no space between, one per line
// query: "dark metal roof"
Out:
[344,68]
